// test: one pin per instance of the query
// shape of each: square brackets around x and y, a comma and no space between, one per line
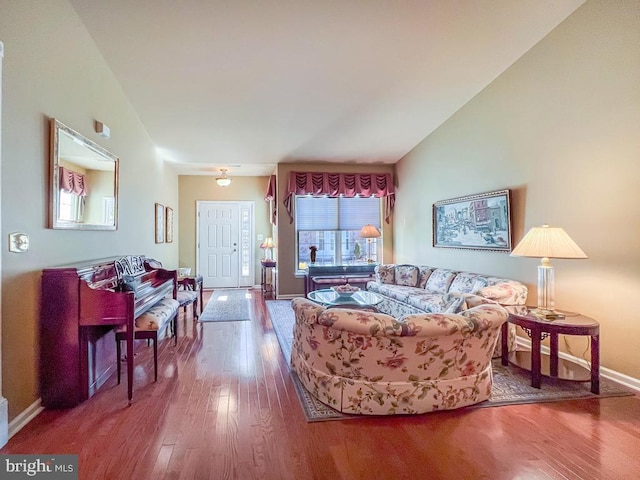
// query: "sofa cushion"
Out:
[406,275]
[504,291]
[432,302]
[397,292]
[385,273]
[425,273]
[466,282]
[439,280]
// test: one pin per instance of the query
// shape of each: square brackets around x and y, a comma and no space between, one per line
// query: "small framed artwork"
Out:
[159,223]
[169,225]
[476,222]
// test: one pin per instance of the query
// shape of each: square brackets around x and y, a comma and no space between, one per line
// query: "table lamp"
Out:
[267,246]
[547,242]
[369,232]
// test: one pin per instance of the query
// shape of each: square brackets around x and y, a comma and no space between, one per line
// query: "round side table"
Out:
[540,328]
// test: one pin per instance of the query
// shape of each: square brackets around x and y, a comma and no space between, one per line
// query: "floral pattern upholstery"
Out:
[406,275]
[386,273]
[439,280]
[157,316]
[362,362]
[433,286]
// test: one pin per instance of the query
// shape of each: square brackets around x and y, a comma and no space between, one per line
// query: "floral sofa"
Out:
[364,362]
[410,289]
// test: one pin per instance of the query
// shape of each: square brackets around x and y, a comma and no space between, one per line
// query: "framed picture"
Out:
[476,222]
[169,226]
[159,223]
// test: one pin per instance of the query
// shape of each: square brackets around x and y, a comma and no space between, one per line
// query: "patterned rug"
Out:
[227,305]
[511,385]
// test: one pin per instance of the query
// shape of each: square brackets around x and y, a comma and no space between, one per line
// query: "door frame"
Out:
[200,204]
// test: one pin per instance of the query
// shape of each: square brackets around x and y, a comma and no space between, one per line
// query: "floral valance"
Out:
[73,182]
[345,184]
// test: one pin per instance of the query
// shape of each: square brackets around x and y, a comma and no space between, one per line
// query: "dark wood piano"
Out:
[81,305]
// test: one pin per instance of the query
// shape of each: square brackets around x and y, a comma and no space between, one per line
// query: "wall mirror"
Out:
[84,182]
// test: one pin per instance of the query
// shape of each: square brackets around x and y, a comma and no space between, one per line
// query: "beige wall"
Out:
[201,188]
[53,69]
[288,283]
[559,128]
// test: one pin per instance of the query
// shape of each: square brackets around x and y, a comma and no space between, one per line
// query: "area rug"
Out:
[227,305]
[511,385]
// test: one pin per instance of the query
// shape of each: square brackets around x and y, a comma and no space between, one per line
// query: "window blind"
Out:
[330,213]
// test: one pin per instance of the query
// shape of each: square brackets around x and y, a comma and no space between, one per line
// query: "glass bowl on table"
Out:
[345,291]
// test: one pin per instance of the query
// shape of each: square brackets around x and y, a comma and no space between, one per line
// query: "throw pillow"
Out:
[453,303]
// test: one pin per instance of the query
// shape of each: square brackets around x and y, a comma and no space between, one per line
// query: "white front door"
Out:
[224,249]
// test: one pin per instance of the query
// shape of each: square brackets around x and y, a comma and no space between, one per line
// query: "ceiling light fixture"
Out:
[223,181]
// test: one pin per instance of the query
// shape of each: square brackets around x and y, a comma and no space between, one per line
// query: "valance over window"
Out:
[73,182]
[345,184]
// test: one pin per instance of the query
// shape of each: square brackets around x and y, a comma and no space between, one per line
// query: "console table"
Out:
[539,329]
[325,276]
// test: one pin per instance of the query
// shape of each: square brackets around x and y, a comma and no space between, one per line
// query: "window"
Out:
[70,207]
[333,225]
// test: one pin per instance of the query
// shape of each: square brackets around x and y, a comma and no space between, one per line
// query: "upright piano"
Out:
[81,305]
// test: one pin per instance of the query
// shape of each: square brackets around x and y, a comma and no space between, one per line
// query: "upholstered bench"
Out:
[157,322]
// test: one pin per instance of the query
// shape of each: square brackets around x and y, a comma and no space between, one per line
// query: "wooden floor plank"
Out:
[224,406]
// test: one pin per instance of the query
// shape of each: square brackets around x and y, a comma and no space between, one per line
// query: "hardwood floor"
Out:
[224,407]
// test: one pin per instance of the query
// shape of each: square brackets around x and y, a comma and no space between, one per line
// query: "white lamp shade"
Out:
[548,242]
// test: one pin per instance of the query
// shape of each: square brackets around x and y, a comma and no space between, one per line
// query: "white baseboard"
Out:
[288,297]
[617,377]
[25,417]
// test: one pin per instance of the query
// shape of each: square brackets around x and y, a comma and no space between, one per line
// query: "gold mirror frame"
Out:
[97,208]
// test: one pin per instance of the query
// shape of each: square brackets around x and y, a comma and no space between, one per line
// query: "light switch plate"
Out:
[18,242]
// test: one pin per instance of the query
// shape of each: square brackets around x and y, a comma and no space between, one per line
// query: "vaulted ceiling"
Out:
[245,85]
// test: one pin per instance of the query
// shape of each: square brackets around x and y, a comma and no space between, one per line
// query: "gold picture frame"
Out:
[160,225]
[169,225]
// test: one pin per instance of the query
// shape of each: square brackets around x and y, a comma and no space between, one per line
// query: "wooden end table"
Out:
[538,329]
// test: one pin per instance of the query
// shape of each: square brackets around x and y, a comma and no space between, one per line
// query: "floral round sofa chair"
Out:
[364,362]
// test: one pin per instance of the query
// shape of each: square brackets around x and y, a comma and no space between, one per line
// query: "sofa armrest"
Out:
[305,310]
[475,319]
[507,292]
[363,322]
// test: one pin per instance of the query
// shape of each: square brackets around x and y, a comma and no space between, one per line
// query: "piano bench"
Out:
[188,297]
[148,326]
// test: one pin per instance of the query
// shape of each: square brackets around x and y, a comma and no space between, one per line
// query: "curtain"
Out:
[337,184]
[73,182]
[270,197]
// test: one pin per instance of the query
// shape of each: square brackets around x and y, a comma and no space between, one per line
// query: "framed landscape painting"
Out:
[476,222]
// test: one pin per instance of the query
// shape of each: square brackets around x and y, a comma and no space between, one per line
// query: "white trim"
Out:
[289,297]
[25,417]
[617,377]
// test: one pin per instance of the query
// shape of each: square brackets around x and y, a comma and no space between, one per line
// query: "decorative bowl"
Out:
[345,291]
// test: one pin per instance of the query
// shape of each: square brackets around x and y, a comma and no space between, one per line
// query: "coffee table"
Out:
[539,329]
[361,299]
